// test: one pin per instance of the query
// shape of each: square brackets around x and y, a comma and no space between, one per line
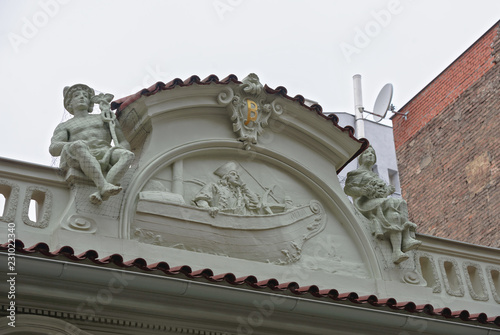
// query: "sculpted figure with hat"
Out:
[84,143]
[229,194]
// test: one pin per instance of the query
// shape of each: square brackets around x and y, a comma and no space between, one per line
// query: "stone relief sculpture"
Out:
[226,217]
[388,216]
[229,194]
[84,142]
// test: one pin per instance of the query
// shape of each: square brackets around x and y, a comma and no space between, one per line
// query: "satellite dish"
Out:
[382,103]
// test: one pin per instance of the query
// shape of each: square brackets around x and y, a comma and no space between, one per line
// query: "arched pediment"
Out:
[284,153]
[303,210]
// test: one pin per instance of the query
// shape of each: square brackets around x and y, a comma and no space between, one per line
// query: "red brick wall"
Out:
[448,150]
[444,89]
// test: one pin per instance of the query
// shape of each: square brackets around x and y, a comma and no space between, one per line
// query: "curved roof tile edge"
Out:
[122,103]
[251,281]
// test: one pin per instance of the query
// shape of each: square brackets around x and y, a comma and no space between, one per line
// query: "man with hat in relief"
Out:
[228,195]
[84,143]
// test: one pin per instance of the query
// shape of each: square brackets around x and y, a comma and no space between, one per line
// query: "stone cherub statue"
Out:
[84,141]
[388,216]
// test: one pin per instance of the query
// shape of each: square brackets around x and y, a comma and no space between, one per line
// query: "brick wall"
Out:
[444,89]
[448,149]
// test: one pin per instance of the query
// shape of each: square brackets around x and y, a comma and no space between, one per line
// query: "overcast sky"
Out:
[312,48]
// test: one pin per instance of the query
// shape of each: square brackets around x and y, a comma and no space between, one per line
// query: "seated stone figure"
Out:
[84,143]
[388,216]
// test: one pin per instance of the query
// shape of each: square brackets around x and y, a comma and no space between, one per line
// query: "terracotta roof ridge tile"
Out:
[271,283]
[184,269]
[249,280]
[139,263]
[480,317]
[89,254]
[162,266]
[410,306]
[228,277]
[203,273]
[445,311]
[291,286]
[300,98]
[211,79]
[371,299]
[386,302]
[311,289]
[351,296]
[116,259]
[280,90]
[494,320]
[171,84]
[194,79]
[425,308]
[41,247]
[330,293]
[230,79]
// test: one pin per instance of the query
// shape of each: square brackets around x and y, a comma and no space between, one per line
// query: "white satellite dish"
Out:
[382,103]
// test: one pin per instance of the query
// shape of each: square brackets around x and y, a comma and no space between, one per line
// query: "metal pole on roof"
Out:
[358,107]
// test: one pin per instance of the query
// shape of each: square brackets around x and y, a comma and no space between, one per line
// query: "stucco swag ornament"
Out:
[249,109]
[84,141]
[388,216]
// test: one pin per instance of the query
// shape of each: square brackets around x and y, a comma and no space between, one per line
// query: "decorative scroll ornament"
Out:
[250,110]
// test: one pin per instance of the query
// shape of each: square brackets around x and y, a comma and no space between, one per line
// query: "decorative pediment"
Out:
[235,169]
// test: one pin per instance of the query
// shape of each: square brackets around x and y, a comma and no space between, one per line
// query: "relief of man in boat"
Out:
[230,195]
[227,217]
